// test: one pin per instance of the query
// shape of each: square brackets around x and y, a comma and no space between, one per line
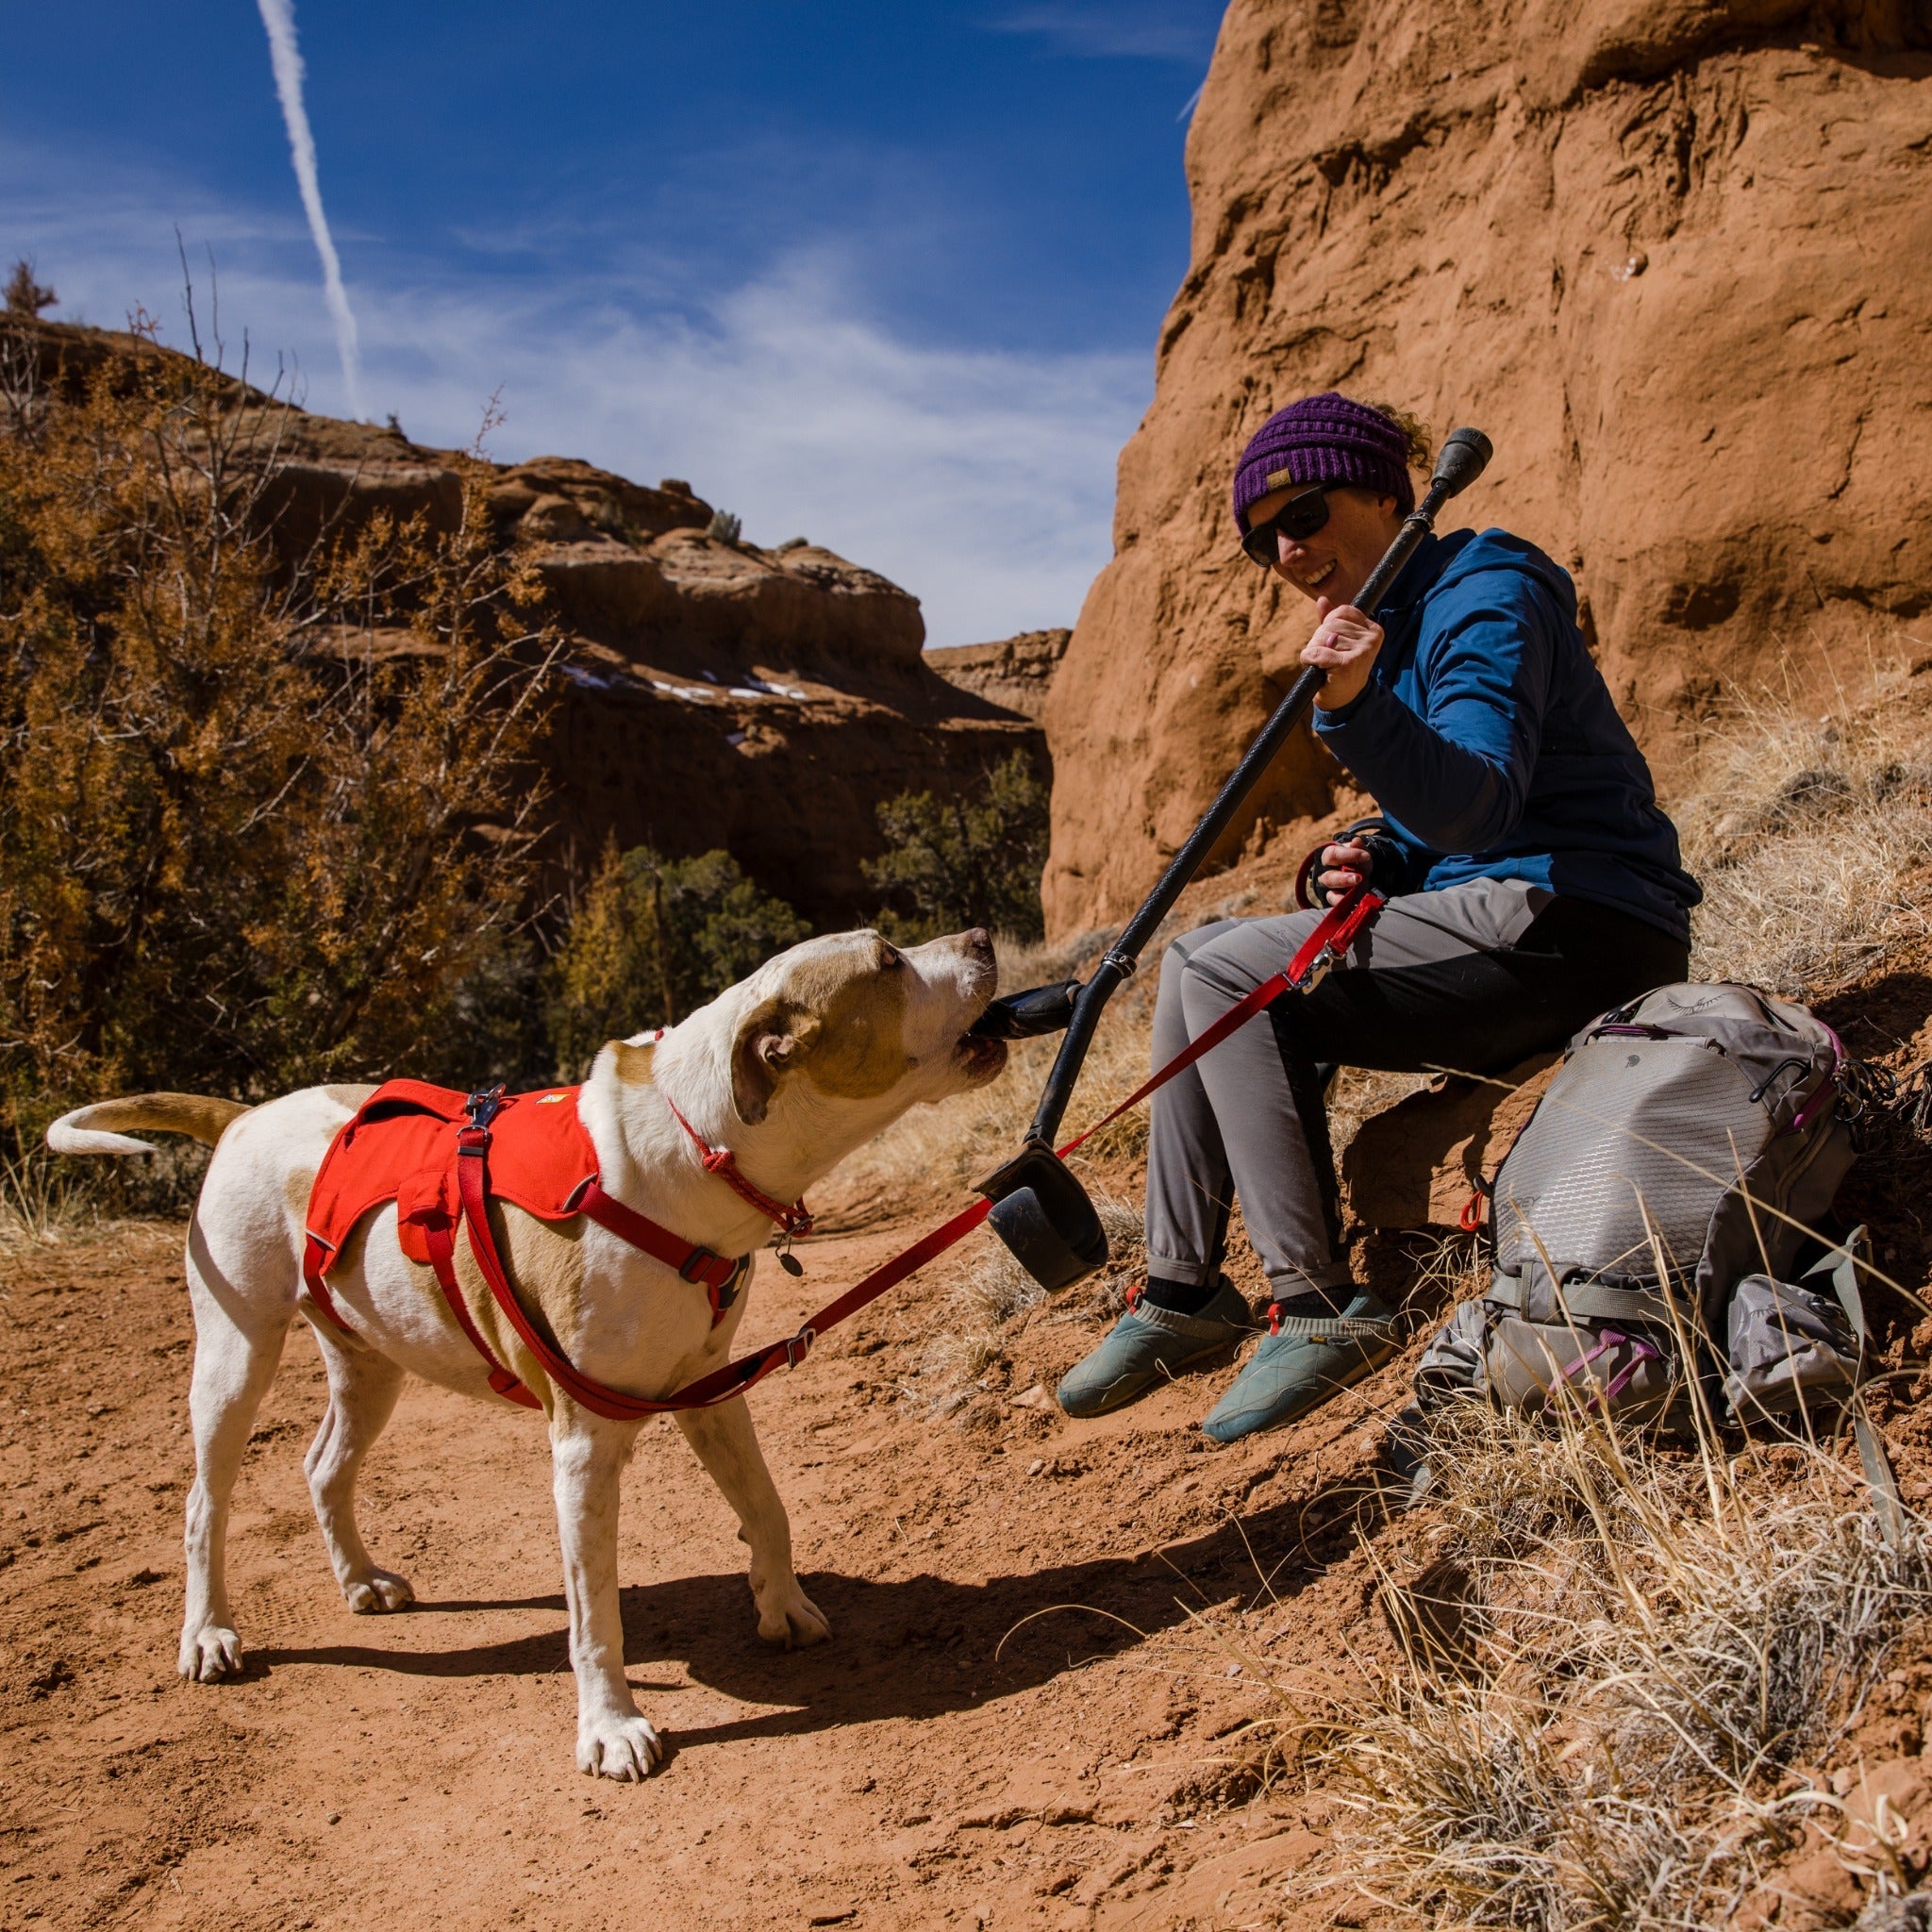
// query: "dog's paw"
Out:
[789,1619]
[626,1748]
[210,1653]
[380,1590]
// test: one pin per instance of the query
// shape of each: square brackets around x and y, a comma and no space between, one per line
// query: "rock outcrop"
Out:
[1671,254]
[767,702]
[764,700]
[1016,672]
[1415,1164]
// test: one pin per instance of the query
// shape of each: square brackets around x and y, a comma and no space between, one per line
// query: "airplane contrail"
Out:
[279,17]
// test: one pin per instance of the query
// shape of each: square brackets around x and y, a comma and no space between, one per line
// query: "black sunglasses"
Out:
[1298,519]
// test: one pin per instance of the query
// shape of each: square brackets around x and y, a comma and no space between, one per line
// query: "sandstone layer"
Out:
[1671,254]
[1016,672]
[718,695]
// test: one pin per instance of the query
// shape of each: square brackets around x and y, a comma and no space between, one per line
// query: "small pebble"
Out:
[335,1817]
[1034,1467]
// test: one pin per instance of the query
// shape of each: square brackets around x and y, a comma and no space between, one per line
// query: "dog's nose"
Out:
[979,941]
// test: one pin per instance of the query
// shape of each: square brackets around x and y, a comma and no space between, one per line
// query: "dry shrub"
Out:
[651,939]
[248,839]
[951,863]
[1811,835]
[1606,1675]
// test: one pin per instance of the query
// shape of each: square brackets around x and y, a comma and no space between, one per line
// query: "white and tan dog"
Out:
[791,1069]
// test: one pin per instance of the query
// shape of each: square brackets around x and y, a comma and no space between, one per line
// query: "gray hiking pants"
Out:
[1477,977]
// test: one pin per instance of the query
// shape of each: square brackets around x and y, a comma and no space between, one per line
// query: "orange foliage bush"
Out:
[263,820]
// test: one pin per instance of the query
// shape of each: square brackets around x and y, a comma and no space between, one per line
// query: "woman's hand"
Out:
[1344,867]
[1344,644]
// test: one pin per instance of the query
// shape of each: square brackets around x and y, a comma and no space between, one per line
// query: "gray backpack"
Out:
[1649,1216]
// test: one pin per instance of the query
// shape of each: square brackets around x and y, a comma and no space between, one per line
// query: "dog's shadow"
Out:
[915,1648]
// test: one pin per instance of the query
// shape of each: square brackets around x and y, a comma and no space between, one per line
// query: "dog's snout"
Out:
[978,942]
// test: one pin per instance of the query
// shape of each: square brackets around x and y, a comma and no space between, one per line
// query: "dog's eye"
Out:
[890,958]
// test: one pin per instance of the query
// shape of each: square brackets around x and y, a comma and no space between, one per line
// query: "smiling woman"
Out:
[1530,881]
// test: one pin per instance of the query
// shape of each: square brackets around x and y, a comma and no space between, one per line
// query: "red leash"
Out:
[1323,947]
[1328,943]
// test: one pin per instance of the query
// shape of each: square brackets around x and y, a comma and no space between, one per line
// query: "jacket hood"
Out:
[1467,553]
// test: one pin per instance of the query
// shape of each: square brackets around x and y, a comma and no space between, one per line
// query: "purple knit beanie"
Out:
[1325,438]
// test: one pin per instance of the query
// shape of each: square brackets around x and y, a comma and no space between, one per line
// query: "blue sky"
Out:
[887,275]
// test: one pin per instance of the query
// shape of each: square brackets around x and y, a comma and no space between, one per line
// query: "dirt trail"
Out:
[943,1760]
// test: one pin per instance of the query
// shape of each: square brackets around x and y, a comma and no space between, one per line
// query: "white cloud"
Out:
[1151,30]
[980,479]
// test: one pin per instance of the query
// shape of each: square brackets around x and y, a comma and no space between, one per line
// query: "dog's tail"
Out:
[92,1129]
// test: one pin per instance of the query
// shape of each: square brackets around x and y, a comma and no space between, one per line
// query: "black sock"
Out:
[1179,1297]
[1312,1304]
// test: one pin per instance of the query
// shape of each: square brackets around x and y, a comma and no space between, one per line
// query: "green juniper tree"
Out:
[653,939]
[956,863]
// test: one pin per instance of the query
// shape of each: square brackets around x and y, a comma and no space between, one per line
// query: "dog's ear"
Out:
[771,1039]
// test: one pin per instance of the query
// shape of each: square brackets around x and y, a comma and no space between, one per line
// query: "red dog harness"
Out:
[440,1156]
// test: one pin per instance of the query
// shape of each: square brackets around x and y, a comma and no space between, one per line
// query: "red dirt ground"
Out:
[943,1762]
[1045,1633]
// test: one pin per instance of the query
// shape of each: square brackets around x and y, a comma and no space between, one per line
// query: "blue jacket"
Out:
[1488,738]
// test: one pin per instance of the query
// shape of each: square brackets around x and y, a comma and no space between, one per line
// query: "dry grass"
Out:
[38,1200]
[1605,1678]
[976,1318]
[949,1145]
[1357,1094]
[46,1200]
[1811,834]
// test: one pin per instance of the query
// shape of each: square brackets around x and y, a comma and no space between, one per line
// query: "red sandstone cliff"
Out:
[1671,254]
[765,701]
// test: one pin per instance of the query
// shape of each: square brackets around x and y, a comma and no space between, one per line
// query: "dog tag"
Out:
[791,1263]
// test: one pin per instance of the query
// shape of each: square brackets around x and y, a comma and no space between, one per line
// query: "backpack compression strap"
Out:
[1590,1301]
[1886,1505]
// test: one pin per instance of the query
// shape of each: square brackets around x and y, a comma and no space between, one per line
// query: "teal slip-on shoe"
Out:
[1301,1363]
[1148,1346]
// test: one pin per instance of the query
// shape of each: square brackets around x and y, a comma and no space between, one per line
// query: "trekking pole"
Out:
[1040,1210]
